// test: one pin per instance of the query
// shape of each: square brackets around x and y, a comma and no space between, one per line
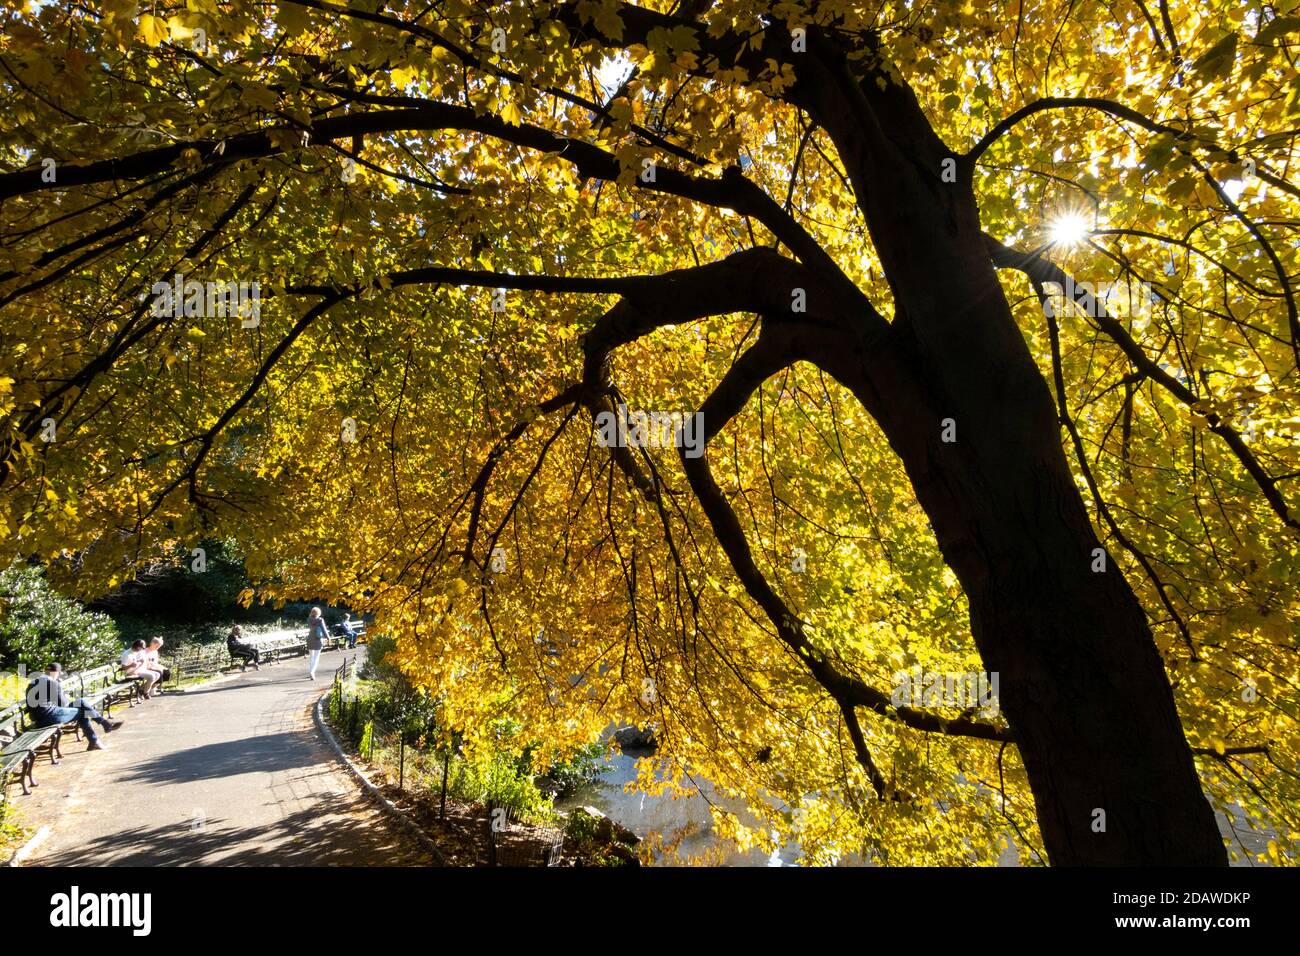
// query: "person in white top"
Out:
[152,662]
[134,665]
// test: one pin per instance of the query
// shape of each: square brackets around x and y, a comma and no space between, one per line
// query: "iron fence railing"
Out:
[421,770]
[193,661]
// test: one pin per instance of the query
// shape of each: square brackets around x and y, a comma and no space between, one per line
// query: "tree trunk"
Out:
[1082,685]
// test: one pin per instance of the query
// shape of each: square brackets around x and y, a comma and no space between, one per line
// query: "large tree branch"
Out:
[754,280]
[469,59]
[1042,270]
[206,440]
[730,191]
[779,346]
[1184,141]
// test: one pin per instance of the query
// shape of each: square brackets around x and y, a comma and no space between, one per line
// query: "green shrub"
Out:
[38,625]
[581,828]
[500,782]
[11,834]
[504,779]
[378,647]
[584,767]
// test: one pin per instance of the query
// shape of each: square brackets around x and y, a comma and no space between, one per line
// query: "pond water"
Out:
[688,819]
[671,817]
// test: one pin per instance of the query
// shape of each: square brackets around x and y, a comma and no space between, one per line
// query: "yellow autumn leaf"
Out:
[153,30]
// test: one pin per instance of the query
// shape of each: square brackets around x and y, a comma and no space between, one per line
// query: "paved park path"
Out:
[234,772]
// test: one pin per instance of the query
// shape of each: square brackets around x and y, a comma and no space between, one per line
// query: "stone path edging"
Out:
[24,851]
[387,805]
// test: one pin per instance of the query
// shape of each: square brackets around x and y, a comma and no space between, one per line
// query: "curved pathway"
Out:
[231,773]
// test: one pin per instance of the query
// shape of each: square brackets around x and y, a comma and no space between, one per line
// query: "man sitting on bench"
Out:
[237,648]
[48,706]
[135,666]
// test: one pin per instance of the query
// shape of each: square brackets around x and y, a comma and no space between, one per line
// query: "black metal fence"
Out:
[508,848]
[377,741]
[193,661]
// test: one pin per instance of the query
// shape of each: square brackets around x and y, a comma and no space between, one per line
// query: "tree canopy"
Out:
[476,227]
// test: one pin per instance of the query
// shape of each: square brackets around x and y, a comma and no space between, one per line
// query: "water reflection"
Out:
[685,826]
[682,822]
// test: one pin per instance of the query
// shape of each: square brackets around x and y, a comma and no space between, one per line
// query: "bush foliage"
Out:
[39,625]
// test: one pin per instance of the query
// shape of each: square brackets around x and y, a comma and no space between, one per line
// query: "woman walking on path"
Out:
[317,632]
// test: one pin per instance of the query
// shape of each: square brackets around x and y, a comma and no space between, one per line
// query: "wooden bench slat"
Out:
[22,762]
[30,740]
[10,760]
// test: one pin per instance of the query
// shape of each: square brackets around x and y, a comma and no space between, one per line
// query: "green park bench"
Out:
[14,759]
[272,649]
[338,639]
[104,686]
[293,645]
[23,744]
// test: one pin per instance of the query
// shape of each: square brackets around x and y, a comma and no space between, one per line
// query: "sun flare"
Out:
[1069,229]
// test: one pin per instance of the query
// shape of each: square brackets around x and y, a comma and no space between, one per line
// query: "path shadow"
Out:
[237,686]
[301,839]
[266,753]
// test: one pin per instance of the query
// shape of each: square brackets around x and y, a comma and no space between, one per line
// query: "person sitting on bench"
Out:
[48,706]
[235,644]
[349,630]
[151,662]
[134,667]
